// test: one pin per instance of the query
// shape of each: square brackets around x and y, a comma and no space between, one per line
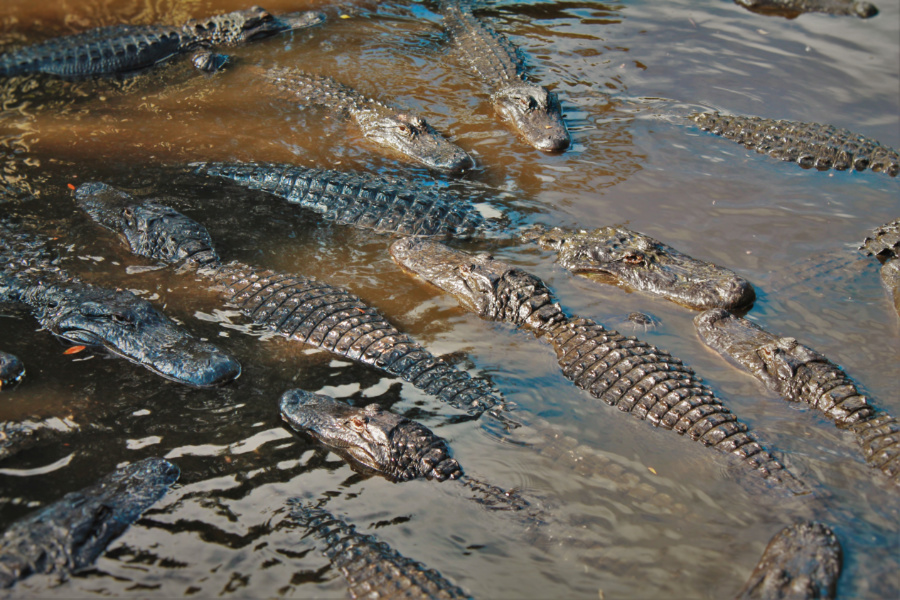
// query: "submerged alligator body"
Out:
[11,370]
[621,371]
[71,534]
[381,124]
[808,144]
[121,49]
[16,436]
[800,374]
[532,110]
[884,244]
[359,200]
[795,8]
[297,307]
[639,262]
[802,562]
[373,569]
[117,320]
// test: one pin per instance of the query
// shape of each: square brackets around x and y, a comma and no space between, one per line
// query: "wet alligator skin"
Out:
[802,562]
[373,569]
[800,374]
[794,8]
[884,244]
[532,110]
[624,372]
[360,200]
[16,436]
[11,370]
[125,48]
[808,144]
[297,307]
[381,124]
[72,533]
[642,263]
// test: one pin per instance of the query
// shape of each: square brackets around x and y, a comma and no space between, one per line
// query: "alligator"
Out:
[884,244]
[296,307]
[794,8]
[15,436]
[358,199]
[122,49]
[385,443]
[639,262]
[381,124]
[802,562]
[70,534]
[621,371]
[532,110]
[808,144]
[11,370]
[117,320]
[800,374]
[373,569]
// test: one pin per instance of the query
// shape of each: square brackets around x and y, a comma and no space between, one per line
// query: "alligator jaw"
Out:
[535,113]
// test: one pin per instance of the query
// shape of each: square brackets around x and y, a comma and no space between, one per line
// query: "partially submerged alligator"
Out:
[808,144]
[800,374]
[802,562]
[357,199]
[121,49]
[639,262]
[16,436]
[381,124]
[11,370]
[372,569]
[117,320]
[884,244]
[795,8]
[532,110]
[622,371]
[297,307]
[71,534]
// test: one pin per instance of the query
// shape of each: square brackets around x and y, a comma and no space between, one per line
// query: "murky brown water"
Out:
[626,74]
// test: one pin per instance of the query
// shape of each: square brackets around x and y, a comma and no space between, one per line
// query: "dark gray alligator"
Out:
[11,370]
[16,436]
[808,144]
[117,320]
[622,371]
[380,124]
[884,244]
[802,562]
[800,374]
[372,569]
[122,49]
[532,110]
[297,307]
[357,199]
[639,262]
[380,441]
[794,8]
[71,534]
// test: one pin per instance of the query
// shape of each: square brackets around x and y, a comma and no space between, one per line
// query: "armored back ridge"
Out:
[794,8]
[884,244]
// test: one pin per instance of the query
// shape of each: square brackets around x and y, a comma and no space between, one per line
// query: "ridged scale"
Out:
[319,90]
[489,53]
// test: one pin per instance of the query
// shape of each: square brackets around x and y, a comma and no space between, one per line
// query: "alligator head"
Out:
[378,440]
[621,256]
[149,229]
[11,370]
[414,137]
[492,289]
[247,25]
[535,113]
[794,8]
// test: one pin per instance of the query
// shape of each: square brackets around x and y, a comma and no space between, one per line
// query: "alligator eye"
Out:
[405,130]
[121,318]
[129,216]
[357,423]
[633,258]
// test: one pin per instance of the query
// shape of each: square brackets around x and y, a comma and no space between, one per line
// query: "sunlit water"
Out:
[627,74]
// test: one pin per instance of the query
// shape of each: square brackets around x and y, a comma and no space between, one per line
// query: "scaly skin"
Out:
[359,200]
[11,370]
[808,144]
[381,124]
[71,534]
[800,374]
[884,244]
[373,569]
[532,110]
[121,49]
[621,371]
[795,8]
[802,562]
[297,307]
[639,262]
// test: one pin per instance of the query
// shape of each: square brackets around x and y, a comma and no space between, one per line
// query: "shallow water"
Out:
[627,74]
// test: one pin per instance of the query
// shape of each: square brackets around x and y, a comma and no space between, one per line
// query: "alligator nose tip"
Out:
[219,369]
[555,143]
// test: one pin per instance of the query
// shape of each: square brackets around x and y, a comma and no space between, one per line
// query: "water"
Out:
[627,73]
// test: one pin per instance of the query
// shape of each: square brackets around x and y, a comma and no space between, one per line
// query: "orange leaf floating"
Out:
[71,186]
[74,349]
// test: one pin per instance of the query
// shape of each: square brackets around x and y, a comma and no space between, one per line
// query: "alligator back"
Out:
[486,51]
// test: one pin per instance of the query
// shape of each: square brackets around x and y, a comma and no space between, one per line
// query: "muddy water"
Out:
[627,75]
